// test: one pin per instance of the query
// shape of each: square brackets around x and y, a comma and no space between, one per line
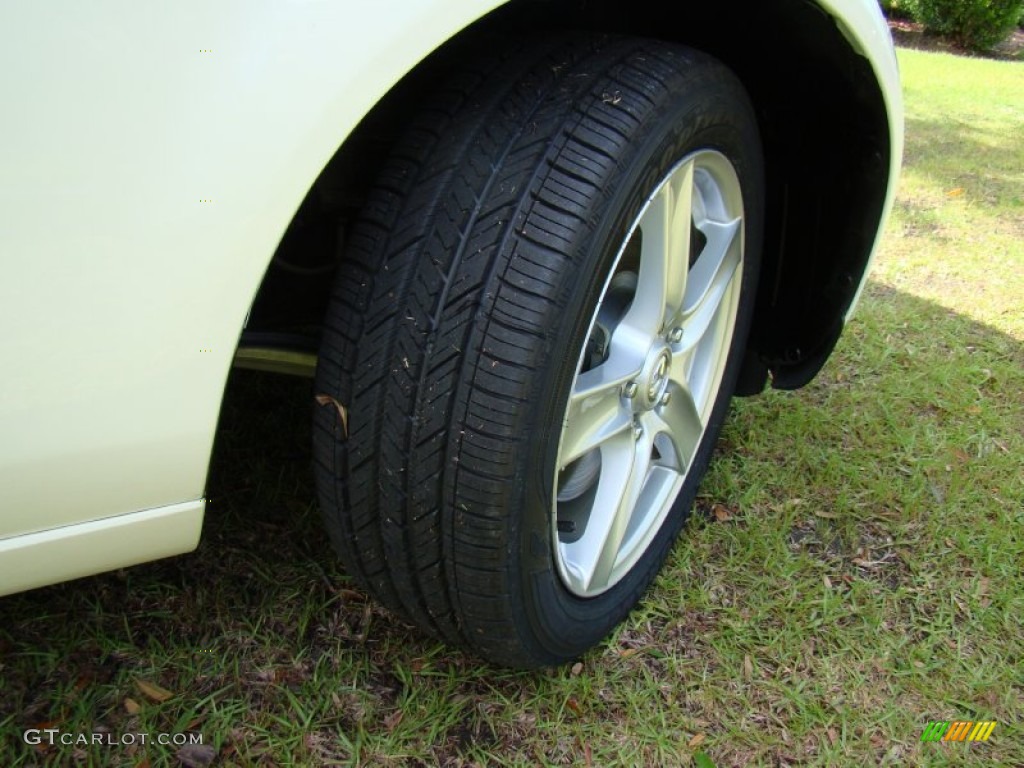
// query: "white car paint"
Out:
[151,157]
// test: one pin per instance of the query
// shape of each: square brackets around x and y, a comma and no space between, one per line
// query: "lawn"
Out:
[857,574]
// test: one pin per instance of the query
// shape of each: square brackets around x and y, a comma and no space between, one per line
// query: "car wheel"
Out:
[534,337]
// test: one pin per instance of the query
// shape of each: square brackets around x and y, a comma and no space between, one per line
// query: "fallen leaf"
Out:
[196,755]
[577,669]
[955,192]
[833,736]
[826,515]
[748,667]
[697,740]
[721,513]
[391,721]
[132,707]
[828,582]
[574,705]
[153,691]
[342,412]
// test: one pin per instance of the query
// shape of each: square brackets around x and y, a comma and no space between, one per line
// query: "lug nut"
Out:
[665,398]
[675,335]
[630,389]
[638,431]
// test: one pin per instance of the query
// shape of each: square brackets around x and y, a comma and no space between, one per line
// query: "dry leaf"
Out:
[132,707]
[721,513]
[833,735]
[826,515]
[153,691]
[577,669]
[828,582]
[342,412]
[574,705]
[697,740]
[748,667]
[391,721]
[955,192]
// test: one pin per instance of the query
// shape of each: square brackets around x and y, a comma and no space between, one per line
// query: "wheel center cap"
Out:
[655,377]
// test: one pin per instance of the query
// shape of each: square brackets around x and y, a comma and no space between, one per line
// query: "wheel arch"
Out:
[825,118]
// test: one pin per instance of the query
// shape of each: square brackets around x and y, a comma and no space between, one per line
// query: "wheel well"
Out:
[823,124]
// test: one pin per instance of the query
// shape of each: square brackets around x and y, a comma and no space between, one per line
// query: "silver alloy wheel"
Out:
[649,374]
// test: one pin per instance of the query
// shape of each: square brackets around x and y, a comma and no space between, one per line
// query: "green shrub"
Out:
[974,24]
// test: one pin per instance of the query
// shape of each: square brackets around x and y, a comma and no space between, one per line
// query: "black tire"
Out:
[459,315]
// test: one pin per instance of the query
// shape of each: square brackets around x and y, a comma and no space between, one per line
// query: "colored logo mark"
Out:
[959,730]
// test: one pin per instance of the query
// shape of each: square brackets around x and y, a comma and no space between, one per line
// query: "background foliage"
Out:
[974,24]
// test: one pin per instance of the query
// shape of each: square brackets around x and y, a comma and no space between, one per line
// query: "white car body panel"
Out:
[152,156]
[124,292]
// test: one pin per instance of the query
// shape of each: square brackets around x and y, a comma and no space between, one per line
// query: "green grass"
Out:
[861,577]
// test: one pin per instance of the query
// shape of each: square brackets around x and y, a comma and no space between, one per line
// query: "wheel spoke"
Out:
[681,420]
[595,414]
[664,253]
[709,279]
[592,558]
